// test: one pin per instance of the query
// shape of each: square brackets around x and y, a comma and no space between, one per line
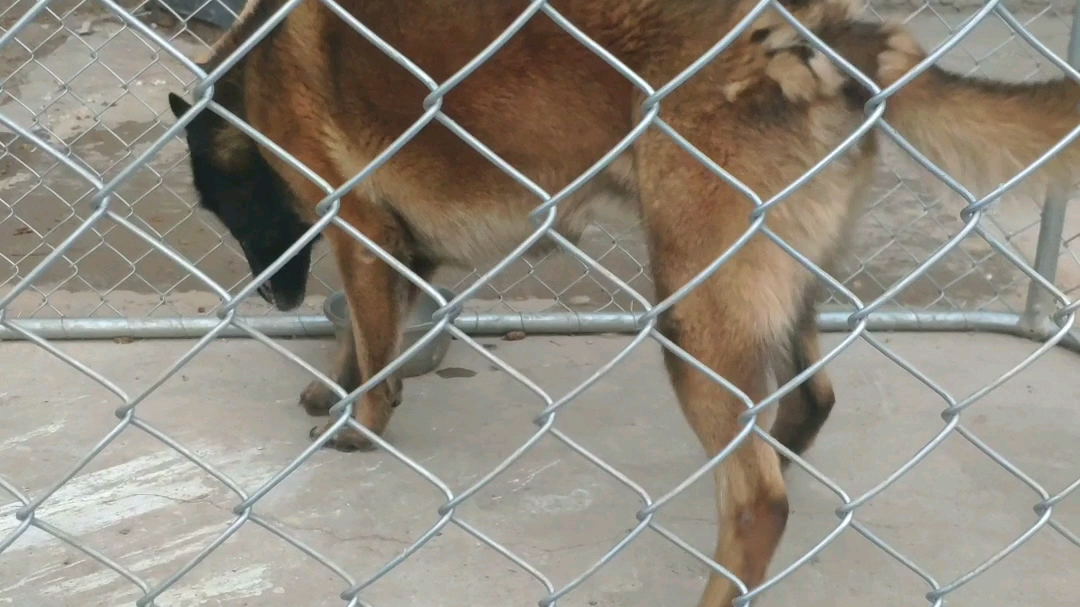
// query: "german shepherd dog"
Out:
[766,109]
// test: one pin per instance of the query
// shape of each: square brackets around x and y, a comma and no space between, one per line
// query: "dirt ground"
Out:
[89,85]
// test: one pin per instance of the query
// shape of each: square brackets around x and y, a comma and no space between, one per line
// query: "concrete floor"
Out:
[234,405]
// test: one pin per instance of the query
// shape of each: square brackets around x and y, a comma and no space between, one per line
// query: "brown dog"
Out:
[766,109]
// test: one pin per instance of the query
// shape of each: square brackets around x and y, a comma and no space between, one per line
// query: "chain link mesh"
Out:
[97,220]
[88,84]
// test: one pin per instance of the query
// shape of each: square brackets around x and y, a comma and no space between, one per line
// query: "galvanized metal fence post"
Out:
[1035,322]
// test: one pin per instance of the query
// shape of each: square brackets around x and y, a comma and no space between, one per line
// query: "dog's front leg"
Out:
[317,397]
[378,297]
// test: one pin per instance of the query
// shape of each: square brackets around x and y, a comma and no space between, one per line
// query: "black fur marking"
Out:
[669,327]
[759,36]
[814,412]
[254,204]
[804,53]
[855,94]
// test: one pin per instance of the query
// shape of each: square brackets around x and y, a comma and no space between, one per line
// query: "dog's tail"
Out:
[981,132]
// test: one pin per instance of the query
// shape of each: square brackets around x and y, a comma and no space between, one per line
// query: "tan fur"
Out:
[981,132]
[766,110]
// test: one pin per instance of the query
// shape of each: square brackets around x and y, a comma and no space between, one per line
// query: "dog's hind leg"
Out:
[731,323]
[726,325]
[804,410]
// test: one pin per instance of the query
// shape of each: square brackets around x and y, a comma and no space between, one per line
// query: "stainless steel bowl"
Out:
[428,358]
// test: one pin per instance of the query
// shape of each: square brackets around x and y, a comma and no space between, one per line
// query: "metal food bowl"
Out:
[428,358]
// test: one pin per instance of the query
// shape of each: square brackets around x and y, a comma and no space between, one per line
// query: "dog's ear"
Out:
[178,106]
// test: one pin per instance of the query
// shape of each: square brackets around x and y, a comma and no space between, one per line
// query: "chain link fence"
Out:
[90,86]
[83,119]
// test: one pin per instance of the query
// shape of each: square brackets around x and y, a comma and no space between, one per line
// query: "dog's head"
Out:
[237,185]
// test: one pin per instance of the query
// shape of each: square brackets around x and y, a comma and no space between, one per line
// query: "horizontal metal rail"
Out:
[586,323]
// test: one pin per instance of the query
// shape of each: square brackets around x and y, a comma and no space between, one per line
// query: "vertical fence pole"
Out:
[1036,317]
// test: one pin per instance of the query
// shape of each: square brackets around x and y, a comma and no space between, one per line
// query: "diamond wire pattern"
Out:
[104,88]
[103,218]
[972,277]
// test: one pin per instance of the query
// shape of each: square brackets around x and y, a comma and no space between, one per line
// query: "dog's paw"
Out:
[902,54]
[347,439]
[317,399]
